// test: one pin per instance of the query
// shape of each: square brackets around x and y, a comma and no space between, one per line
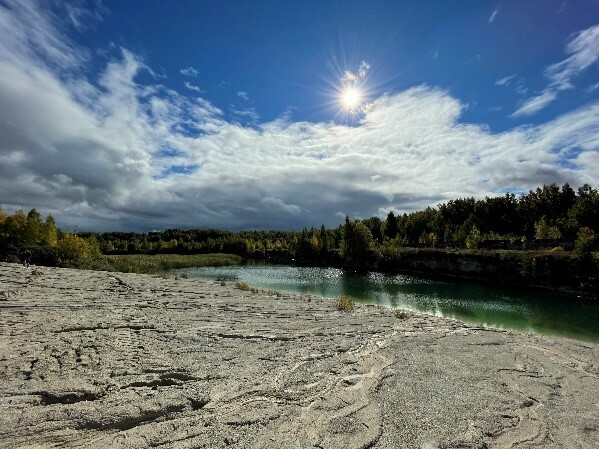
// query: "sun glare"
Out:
[351,98]
[349,92]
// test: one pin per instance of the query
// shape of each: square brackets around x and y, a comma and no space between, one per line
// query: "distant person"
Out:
[26,258]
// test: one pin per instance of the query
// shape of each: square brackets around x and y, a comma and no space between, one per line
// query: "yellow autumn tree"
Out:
[73,249]
[50,234]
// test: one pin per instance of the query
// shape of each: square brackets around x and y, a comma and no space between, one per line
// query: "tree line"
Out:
[50,246]
[548,217]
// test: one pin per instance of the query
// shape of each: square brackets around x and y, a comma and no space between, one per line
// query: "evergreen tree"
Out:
[391,228]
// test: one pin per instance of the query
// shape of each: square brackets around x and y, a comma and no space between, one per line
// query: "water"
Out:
[544,312]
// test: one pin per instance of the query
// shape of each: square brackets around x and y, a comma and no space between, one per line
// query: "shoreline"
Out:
[118,360]
[558,272]
[566,327]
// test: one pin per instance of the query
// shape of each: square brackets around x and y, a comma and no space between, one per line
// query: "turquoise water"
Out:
[543,312]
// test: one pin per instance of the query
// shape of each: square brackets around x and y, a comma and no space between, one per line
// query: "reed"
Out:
[160,263]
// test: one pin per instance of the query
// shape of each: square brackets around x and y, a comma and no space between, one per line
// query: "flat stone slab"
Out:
[113,360]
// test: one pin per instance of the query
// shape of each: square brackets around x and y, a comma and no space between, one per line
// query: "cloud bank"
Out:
[119,153]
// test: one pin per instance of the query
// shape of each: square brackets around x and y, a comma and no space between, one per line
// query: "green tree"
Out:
[357,243]
[376,228]
[585,211]
[34,229]
[585,243]
[324,242]
[15,227]
[544,231]
[50,233]
[391,228]
[428,239]
[304,248]
[73,249]
[474,239]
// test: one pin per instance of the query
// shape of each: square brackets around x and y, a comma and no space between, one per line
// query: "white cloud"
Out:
[535,104]
[31,32]
[125,154]
[521,89]
[189,71]
[84,18]
[193,87]
[243,94]
[249,113]
[349,76]
[509,80]
[593,87]
[505,81]
[363,69]
[494,15]
[583,48]
[562,7]
[360,75]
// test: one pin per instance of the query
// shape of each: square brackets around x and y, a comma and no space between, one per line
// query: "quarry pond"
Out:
[540,312]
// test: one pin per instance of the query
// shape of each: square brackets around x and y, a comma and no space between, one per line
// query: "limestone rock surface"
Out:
[92,359]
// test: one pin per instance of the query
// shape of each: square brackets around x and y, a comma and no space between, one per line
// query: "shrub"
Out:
[242,286]
[245,287]
[345,304]
[585,243]
[401,314]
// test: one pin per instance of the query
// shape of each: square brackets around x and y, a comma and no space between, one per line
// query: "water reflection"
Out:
[471,302]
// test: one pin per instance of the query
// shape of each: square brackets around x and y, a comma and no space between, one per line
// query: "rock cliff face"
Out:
[536,269]
[111,360]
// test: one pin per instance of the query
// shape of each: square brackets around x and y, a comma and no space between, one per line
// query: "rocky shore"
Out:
[112,360]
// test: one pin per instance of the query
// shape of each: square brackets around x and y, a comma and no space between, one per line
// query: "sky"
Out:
[148,115]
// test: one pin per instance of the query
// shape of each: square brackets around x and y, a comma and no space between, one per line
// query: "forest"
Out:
[548,218]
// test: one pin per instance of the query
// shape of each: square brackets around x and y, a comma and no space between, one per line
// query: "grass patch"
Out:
[345,304]
[245,287]
[401,315]
[160,263]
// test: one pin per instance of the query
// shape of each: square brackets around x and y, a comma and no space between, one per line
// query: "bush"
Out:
[245,287]
[345,304]
[401,314]
[585,243]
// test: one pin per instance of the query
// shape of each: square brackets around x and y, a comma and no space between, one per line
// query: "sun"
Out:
[350,97]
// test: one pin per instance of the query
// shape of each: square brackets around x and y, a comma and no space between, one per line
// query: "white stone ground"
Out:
[113,360]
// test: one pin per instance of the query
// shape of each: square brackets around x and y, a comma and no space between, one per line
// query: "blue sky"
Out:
[149,115]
